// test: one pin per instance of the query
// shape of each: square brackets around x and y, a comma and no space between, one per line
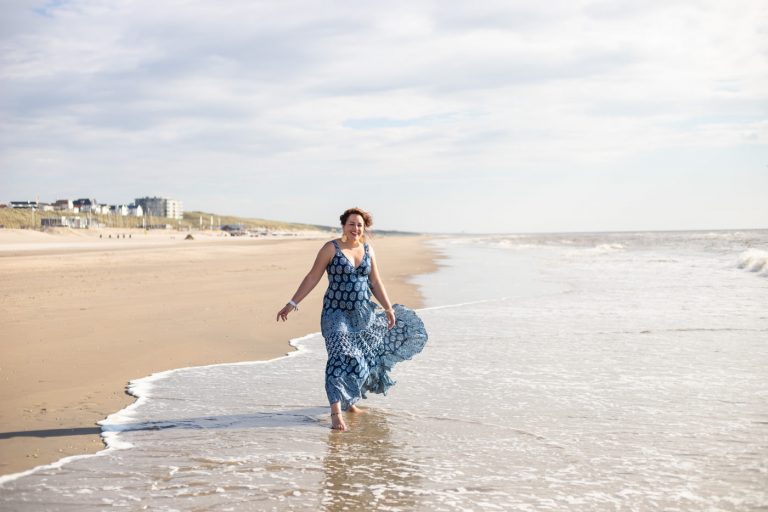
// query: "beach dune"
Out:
[81,319]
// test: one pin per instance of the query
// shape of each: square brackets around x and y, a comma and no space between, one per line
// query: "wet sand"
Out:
[83,315]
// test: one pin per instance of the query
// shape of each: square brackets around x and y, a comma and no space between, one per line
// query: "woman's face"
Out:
[354,227]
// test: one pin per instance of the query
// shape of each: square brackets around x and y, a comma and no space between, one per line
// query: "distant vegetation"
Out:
[193,219]
[27,219]
[18,218]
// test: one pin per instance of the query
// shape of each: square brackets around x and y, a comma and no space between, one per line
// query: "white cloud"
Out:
[182,95]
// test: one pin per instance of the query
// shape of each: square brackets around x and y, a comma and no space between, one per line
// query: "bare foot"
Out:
[355,409]
[337,422]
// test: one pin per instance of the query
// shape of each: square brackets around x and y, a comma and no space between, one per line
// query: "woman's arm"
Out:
[377,287]
[310,280]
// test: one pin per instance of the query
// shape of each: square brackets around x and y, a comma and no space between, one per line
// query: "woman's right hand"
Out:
[283,313]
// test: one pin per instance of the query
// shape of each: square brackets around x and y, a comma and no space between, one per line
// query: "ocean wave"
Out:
[505,242]
[754,260]
[579,242]
[612,247]
[595,250]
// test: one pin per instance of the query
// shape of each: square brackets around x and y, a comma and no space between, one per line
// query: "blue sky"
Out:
[437,116]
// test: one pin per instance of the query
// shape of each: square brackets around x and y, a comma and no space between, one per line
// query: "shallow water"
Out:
[582,372]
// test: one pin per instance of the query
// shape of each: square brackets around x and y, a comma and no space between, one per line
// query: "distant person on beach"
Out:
[363,340]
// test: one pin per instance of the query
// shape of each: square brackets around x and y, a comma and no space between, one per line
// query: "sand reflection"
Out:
[368,467]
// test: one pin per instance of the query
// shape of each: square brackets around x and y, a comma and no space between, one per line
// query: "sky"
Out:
[444,116]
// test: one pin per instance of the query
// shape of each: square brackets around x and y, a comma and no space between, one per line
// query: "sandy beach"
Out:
[83,315]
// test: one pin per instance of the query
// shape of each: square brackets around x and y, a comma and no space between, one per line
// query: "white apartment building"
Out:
[174,209]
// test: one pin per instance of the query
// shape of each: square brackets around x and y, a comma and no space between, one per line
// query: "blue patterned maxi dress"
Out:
[361,351]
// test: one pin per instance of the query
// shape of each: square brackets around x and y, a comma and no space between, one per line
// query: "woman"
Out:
[363,341]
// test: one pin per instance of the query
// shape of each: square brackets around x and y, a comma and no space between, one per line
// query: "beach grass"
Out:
[15,218]
[192,218]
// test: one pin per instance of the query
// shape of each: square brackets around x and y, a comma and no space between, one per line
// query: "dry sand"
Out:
[83,315]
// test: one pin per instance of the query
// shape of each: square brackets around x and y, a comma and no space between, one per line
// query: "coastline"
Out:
[81,321]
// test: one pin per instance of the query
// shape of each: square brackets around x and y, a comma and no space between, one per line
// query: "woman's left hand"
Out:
[390,318]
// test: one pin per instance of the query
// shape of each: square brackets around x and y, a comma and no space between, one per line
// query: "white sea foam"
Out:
[609,247]
[53,465]
[754,260]
[125,419]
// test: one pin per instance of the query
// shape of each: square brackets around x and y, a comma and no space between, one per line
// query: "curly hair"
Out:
[367,218]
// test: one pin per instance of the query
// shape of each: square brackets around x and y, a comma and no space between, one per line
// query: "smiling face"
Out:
[354,228]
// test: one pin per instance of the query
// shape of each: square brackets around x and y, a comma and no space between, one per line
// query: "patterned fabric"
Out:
[361,351]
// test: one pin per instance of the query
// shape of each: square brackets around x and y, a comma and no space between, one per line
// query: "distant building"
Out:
[82,223]
[63,204]
[119,209]
[135,210]
[32,205]
[174,209]
[85,205]
[154,206]
[55,222]
[68,222]
[24,204]
[161,207]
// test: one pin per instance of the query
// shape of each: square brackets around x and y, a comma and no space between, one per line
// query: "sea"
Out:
[578,372]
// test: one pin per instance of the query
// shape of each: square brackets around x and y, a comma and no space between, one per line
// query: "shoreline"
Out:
[81,324]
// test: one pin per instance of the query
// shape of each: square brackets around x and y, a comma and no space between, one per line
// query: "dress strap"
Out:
[336,245]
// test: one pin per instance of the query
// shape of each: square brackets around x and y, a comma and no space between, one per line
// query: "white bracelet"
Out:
[295,306]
